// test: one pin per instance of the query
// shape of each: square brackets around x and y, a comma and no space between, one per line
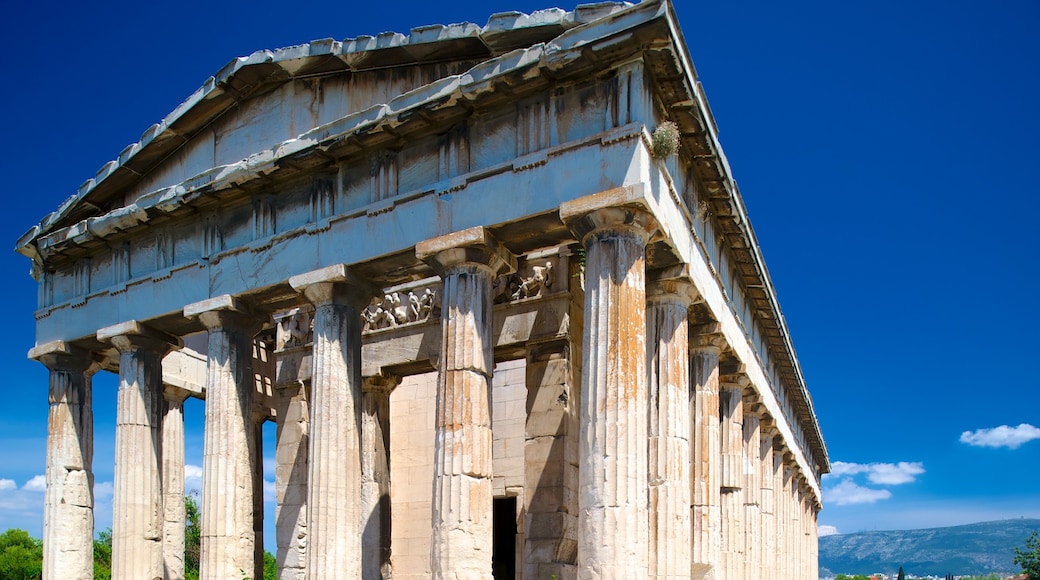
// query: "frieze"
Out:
[293,328]
[401,307]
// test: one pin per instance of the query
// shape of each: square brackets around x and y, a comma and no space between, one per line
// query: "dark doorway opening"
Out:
[503,552]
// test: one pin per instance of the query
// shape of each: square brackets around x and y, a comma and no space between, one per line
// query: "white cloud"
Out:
[822,531]
[880,473]
[849,493]
[103,491]
[1003,436]
[6,484]
[192,478]
[37,483]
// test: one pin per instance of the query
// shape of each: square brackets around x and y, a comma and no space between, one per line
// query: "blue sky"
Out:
[887,153]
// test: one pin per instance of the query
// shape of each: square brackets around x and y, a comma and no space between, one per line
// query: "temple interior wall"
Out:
[412,409]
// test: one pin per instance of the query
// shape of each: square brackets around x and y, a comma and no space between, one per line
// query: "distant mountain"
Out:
[982,548]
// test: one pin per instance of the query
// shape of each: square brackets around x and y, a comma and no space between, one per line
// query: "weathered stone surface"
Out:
[613,514]
[289,164]
[230,459]
[291,468]
[137,507]
[375,476]
[705,348]
[671,528]
[334,516]
[468,262]
[68,509]
[174,510]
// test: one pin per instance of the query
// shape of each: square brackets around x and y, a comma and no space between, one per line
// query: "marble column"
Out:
[768,569]
[752,488]
[68,508]
[550,459]
[468,262]
[732,409]
[137,501]
[706,343]
[334,549]
[669,296]
[229,459]
[375,476]
[291,467]
[613,515]
[174,511]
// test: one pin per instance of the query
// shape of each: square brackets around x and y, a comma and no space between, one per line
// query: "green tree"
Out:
[901,575]
[21,556]
[270,566]
[1029,558]
[103,555]
[192,537]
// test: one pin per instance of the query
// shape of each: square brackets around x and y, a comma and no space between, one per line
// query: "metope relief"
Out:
[293,328]
[530,281]
[400,308]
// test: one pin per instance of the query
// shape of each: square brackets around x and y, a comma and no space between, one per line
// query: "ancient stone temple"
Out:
[495,286]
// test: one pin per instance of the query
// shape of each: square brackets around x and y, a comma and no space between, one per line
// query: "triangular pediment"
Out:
[257,102]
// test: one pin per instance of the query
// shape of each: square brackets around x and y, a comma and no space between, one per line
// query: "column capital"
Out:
[59,355]
[222,312]
[380,384]
[334,284]
[622,208]
[131,335]
[707,337]
[471,246]
[672,284]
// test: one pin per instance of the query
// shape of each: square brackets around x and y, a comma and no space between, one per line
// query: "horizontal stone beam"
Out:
[414,348]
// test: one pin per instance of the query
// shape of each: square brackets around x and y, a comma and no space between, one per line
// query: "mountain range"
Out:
[982,548]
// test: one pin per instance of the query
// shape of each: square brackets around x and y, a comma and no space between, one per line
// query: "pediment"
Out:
[271,97]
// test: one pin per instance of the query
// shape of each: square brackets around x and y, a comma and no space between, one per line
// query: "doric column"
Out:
[768,569]
[732,409]
[468,262]
[68,508]
[669,296]
[375,476]
[137,502]
[613,515]
[334,473]
[229,458]
[705,347]
[291,481]
[752,488]
[174,511]
[788,508]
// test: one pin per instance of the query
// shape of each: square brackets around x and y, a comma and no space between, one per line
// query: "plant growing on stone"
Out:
[664,141]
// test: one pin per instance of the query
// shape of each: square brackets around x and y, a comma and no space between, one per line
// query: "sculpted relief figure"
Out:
[294,329]
[532,286]
[394,309]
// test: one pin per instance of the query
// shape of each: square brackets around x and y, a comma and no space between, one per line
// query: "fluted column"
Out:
[613,516]
[137,502]
[174,511]
[769,536]
[291,481]
[705,347]
[669,296]
[334,547]
[68,508]
[375,477]
[752,489]
[732,408]
[786,521]
[468,262]
[229,458]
